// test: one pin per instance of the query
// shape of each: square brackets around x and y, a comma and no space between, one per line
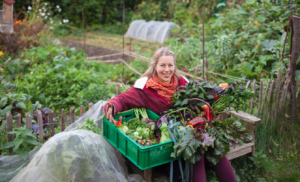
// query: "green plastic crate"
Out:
[143,157]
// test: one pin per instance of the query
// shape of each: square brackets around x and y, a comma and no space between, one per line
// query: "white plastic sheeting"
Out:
[152,31]
[73,155]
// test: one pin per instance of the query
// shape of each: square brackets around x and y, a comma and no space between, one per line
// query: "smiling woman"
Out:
[154,90]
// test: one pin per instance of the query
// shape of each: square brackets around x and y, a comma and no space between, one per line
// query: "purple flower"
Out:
[184,69]
[33,27]
[197,81]
[197,69]
[206,63]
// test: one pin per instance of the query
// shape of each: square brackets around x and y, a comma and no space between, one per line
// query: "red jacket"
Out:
[140,96]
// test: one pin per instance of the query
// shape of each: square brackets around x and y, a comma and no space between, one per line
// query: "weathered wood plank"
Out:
[253,140]
[51,124]
[245,117]
[40,126]
[270,98]
[9,121]
[252,100]
[19,120]
[297,88]
[63,120]
[248,84]
[284,96]
[118,89]
[239,151]
[90,105]
[72,114]
[298,99]
[148,174]
[82,110]
[260,97]
[266,96]
[281,92]
[277,94]
[28,121]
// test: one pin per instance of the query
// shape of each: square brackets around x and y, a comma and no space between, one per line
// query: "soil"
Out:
[92,50]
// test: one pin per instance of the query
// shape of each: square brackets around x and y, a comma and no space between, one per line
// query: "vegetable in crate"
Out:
[138,131]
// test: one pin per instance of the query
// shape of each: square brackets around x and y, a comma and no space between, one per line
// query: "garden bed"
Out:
[92,50]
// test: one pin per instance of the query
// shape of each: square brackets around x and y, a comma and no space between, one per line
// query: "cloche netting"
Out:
[152,31]
[73,155]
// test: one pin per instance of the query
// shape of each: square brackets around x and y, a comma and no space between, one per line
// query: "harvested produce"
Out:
[196,108]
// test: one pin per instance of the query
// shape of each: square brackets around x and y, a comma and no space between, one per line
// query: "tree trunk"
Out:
[294,54]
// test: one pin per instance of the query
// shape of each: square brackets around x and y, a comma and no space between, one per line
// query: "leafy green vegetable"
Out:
[124,128]
[90,126]
[211,141]
[165,135]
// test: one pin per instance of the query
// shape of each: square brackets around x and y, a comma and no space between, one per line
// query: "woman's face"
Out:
[165,68]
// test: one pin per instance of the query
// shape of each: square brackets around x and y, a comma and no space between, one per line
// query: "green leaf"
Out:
[28,133]
[209,86]
[177,103]
[24,155]
[184,102]
[17,142]
[210,97]
[5,110]
[21,105]
[221,4]
[7,145]
[33,142]
[250,1]
[264,58]
[15,132]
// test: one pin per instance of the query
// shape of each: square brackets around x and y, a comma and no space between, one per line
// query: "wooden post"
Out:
[19,120]
[63,120]
[148,174]
[130,48]
[277,94]
[260,97]
[203,69]
[248,84]
[266,96]
[72,115]
[298,98]
[294,54]
[252,100]
[271,97]
[118,89]
[281,91]
[123,42]
[9,121]
[82,110]
[284,95]
[90,105]
[253,139]
[40,126]
[51,124]
[83,28]
[28,121]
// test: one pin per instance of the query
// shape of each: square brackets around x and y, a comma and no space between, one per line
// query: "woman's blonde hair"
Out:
[164,51]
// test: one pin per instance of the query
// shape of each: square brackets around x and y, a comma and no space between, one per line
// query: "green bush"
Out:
[243,40]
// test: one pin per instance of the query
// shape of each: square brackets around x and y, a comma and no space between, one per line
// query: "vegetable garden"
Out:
[58,59]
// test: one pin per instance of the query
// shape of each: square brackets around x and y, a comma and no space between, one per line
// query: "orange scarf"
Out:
[165,90]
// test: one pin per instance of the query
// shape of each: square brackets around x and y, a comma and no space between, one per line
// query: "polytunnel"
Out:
[152,31]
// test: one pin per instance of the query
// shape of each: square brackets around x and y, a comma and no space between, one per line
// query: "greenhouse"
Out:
[152,31]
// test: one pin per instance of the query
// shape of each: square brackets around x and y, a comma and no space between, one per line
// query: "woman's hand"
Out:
[109,114]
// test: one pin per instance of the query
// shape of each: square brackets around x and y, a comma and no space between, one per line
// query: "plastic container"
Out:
[143,157]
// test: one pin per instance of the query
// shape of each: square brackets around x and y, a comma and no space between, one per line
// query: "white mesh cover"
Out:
[73,155]
[152,31]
